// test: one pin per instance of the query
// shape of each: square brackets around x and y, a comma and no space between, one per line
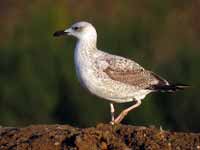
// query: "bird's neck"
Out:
[84,51]
[87,45]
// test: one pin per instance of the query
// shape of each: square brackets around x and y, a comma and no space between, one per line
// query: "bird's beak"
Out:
[62,32]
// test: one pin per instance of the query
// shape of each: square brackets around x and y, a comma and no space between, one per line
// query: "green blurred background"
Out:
[38,84]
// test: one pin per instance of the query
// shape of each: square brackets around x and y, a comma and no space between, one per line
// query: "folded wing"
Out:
[129,72]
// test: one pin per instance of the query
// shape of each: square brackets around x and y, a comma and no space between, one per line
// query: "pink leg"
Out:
[125,112]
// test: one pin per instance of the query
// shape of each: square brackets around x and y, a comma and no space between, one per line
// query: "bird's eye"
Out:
[75,28]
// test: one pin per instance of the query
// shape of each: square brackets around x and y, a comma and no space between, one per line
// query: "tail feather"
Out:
[170,87]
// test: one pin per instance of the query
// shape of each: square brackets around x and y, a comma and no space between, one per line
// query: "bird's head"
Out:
[80,30]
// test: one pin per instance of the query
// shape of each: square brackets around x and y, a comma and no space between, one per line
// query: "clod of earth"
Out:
[101,137]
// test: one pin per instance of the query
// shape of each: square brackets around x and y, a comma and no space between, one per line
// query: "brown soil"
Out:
[101,137]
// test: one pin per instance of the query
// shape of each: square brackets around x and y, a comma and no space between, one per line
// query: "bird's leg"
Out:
[112,112]
[125,112]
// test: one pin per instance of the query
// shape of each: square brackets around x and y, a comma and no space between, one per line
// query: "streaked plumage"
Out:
[112,77]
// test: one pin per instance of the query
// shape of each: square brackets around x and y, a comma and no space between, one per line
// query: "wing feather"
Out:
[129,72]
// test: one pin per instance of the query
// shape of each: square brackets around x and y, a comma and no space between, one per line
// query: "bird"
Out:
[111,77]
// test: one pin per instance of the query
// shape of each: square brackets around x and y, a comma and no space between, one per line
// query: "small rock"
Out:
[56,143]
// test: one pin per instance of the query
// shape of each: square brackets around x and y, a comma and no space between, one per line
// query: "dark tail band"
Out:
[170,88]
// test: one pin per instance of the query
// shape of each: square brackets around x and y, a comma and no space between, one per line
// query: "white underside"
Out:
[140,95]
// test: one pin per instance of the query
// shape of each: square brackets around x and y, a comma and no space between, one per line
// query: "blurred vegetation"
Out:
[37,74]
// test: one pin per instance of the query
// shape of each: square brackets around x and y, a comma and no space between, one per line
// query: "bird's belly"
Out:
[103,90]
[106,89]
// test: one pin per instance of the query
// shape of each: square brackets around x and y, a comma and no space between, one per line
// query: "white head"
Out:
[81,30]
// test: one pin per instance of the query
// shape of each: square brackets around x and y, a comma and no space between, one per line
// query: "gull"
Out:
[112,77]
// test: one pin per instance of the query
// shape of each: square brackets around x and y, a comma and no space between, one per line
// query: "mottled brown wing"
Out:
[129,72]
[140,78]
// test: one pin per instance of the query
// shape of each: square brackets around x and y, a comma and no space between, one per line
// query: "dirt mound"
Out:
[103,136]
